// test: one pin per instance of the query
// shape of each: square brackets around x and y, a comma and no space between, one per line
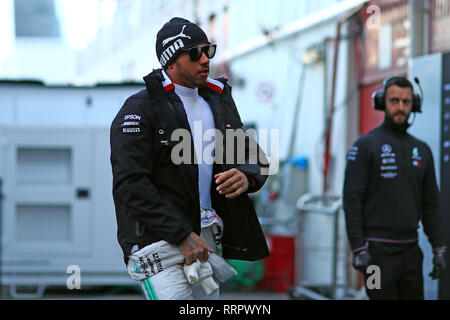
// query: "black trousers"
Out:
[400,269]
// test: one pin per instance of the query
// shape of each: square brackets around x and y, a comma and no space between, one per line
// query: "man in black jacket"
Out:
[390,185]
[157,196]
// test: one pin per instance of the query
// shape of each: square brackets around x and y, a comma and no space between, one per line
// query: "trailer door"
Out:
[47,200]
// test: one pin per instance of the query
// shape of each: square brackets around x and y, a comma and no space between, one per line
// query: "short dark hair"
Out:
[399,82]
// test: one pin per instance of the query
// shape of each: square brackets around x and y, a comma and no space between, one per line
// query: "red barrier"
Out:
[279,267]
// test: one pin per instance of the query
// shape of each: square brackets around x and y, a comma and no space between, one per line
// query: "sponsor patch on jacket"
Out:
[388,160]
[417,163]
[388,167]
[131,123]
[416,158]
[386,151]
[352,153]
[131,130]
[128,117]
[389,174]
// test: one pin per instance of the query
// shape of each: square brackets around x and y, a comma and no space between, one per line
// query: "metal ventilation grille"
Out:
[44,165]
[43,223]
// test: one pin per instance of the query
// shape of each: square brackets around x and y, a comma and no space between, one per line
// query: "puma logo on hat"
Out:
[175,35]
[181,34]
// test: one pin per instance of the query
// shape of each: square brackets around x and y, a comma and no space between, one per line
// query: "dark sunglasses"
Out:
[195,53]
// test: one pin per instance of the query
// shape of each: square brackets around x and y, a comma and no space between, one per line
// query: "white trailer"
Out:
[58,224]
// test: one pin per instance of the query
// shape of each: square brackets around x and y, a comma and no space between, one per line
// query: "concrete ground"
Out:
[133,293]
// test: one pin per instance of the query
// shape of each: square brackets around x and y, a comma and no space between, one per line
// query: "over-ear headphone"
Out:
[379,97]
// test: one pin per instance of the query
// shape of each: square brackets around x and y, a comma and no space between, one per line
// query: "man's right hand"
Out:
[193,248]
[361,260]
[439,266]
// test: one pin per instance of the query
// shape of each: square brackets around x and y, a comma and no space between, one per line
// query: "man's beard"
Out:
[190,78]
[403,126]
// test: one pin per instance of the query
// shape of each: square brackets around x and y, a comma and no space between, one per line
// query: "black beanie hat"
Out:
[175,35]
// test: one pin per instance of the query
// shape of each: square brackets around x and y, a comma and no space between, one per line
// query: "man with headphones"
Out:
[390,185]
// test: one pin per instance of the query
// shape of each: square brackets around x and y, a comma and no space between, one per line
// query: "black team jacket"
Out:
[156,199]
[390,185]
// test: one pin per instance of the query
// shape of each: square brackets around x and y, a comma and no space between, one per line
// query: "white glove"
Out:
[192,272]
[206,280]
[201,271]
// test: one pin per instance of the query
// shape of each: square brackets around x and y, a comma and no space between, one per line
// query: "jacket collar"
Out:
[394,128]
[211,93]
[161,87]
[212,84]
